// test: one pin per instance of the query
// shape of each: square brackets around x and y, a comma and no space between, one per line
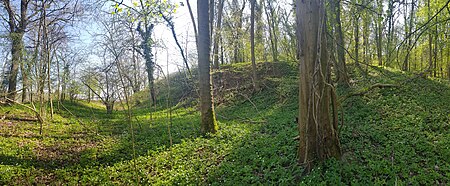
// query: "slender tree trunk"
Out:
[448,61]
[252,43]
[430,42]
[272,30]
[342,76]
[259,31]
[365,35]
[379,32]
[169,108]
[435,50]
[217,35]
[211,17]
[318,133]
[24,69]
[356,37]
[208,120]
[193,21]
[390,34]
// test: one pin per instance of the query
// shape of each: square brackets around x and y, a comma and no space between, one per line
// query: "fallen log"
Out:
[18,118]
[367,90]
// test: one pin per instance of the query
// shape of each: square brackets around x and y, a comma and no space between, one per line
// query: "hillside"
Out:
[398,135]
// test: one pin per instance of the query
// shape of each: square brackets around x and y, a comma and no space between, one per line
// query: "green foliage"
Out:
[389,136]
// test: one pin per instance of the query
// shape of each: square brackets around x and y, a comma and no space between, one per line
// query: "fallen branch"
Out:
[17,118]
[244,120]
[361,93]
[38,115]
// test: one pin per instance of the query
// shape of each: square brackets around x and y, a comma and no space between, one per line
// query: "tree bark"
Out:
[318,134]
[430,42]
[193,21]
[390,34]
[272,30]
[17,30]
[208,120]
[379,32]
[217,35]
[252,43]
[342,76]
[148,55]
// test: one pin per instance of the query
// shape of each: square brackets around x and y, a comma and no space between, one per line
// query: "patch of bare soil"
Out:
[62,153]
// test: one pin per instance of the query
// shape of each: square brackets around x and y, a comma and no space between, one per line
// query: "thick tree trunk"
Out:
[208,120]
[16,52]
[318,134]
[109,107]
[17,30]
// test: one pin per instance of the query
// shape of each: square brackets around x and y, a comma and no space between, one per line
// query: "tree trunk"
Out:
[356,37]
[365,35]
[24,69]
[17,30]
[430,42]
[259,32]
[46,52]
[379,30]
[16,52]
[390,34]
[342,76]
[148,55]
[318,134]
[109,107]
[272,30]
[217,35]
[252,43]
[208,120]
[193,21]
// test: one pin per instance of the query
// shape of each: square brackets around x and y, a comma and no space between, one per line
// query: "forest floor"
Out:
[397,135]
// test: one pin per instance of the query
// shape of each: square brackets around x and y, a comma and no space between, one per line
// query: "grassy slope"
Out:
[389,136]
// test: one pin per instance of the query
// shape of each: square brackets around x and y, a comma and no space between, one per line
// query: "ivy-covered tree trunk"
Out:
[149,63]
[318,132]
[208,119]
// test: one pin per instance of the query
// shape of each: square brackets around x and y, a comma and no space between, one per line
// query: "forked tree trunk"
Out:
[208,119]
[318,132]
[109,107]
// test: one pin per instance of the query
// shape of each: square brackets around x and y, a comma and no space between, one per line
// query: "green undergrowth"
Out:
[389,136]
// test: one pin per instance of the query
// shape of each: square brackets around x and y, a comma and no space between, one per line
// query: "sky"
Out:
[183,29]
